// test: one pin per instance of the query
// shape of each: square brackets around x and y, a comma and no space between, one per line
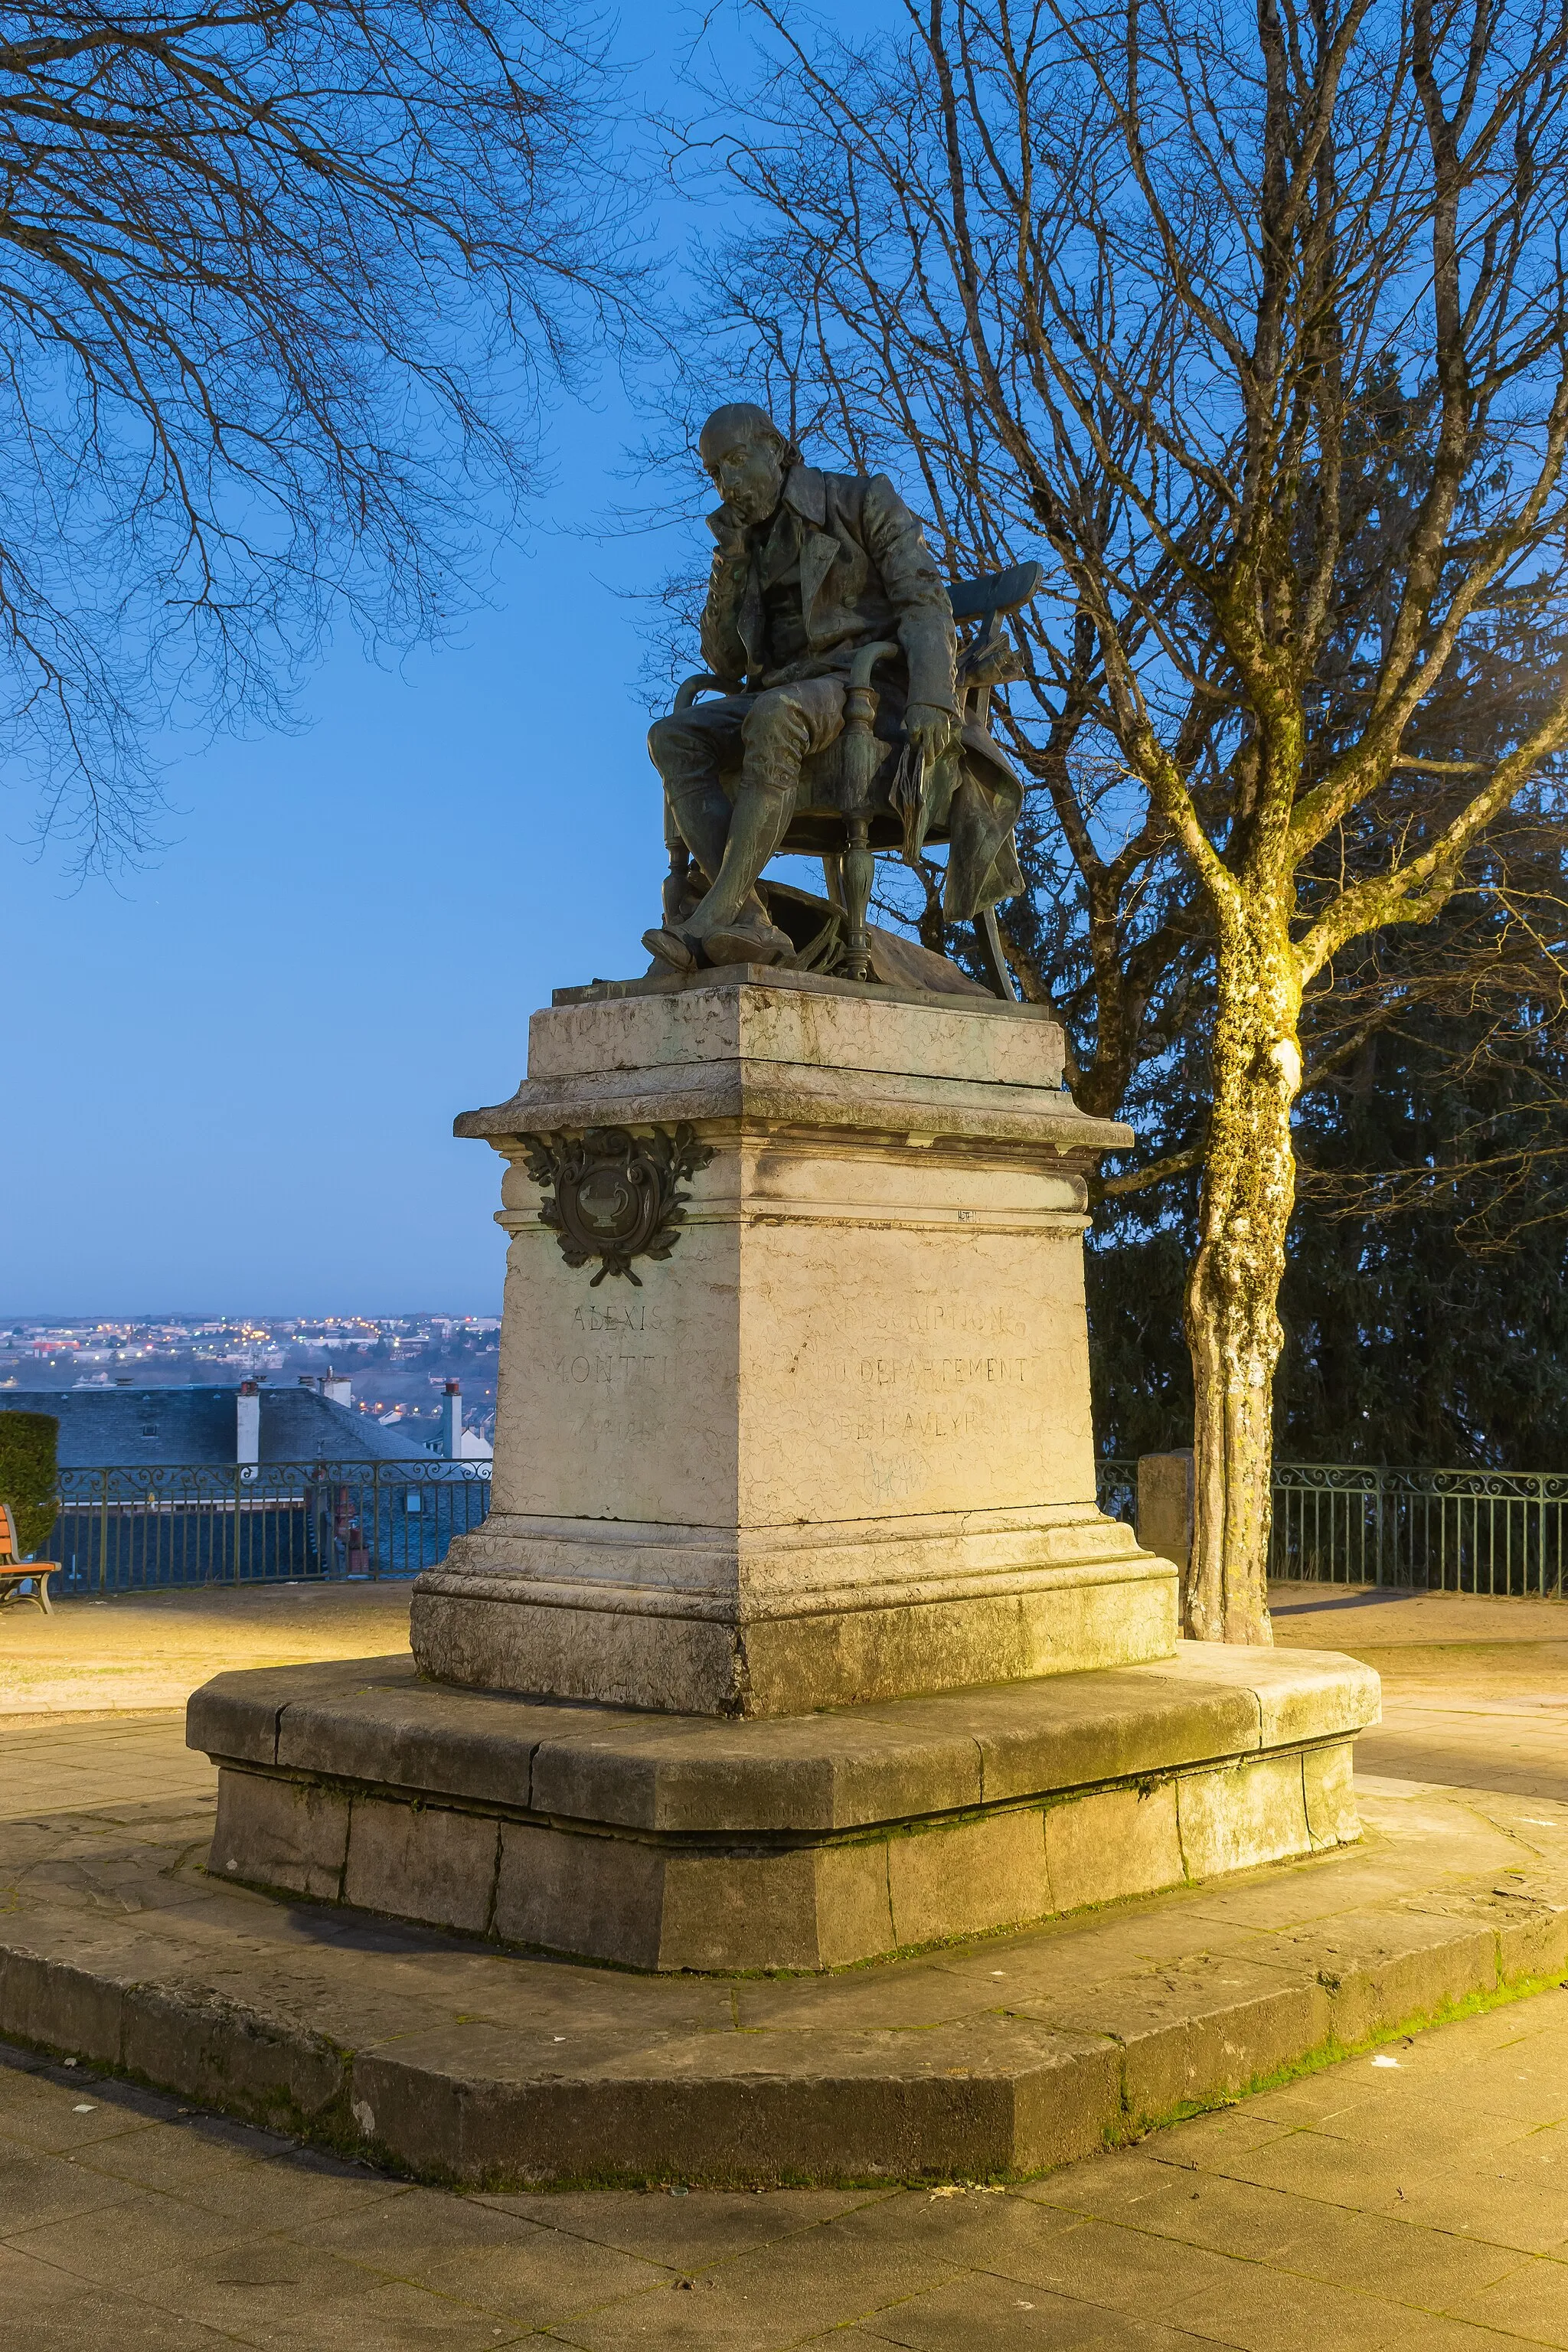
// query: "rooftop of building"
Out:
[115,1428]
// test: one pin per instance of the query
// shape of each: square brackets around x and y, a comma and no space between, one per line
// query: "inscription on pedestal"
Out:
[878,1397]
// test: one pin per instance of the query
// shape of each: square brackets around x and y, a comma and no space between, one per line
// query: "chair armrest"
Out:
[686,693]
[866,661]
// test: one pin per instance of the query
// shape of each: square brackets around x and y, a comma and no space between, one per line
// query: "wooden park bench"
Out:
[16,1571]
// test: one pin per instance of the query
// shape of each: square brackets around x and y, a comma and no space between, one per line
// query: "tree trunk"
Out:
[1232,1305]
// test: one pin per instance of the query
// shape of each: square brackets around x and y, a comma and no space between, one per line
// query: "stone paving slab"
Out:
[140,1651]
[1475,1690]
[1002,2057]
[1361,1618]
[1411,2200]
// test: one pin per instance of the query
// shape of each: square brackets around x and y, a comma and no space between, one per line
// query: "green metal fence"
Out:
[1116,1489]
[124,1530]
[1499,1532]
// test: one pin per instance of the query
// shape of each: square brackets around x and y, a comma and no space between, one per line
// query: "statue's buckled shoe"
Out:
[749,943]
[671,950]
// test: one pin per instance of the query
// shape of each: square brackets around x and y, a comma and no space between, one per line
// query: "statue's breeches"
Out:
[746,738]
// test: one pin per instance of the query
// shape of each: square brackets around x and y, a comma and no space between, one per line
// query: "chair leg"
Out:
[858,869]
[988,936]
[677,884]
[41,1588]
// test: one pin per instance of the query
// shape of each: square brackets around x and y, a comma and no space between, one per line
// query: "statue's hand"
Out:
[730,535]
[930,730]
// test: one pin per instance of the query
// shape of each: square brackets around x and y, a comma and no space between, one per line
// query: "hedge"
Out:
[28,1443]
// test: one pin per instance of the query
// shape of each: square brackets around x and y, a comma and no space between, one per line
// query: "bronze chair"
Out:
[848,805]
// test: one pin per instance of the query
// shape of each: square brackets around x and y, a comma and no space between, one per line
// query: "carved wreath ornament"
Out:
[615,1196]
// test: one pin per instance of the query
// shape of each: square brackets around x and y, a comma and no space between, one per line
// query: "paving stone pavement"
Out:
[144,1650]
[1413,2200]
[1475,1691]
[1417,2203]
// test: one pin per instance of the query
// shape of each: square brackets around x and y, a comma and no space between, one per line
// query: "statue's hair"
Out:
[742,417]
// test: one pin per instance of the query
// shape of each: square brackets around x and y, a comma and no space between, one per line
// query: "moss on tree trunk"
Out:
[1232,1318]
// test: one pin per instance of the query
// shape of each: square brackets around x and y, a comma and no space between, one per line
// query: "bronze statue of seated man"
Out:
[809,570]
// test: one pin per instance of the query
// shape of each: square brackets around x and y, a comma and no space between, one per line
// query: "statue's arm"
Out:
[721,648]
[896,544]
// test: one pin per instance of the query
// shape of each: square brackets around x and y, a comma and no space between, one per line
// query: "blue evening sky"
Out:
[232,1073]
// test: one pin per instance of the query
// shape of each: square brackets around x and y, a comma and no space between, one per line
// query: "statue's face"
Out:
[750,476]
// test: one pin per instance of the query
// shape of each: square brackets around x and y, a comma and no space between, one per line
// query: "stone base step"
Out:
[691,1842]
[451,2060]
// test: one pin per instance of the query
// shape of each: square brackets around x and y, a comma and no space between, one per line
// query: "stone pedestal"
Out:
[836,1445]
[794,1637]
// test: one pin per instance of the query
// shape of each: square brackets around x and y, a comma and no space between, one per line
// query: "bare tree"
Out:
[280,284]
[1260,319]
[1429,1242]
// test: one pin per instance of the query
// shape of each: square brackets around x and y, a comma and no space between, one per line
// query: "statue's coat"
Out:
[867,572]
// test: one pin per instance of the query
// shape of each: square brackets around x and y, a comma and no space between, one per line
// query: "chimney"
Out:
[338,1389]
[247,1425]
[452,1420]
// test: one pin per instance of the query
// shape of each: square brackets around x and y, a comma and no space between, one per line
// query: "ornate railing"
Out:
[1116,1489]
[1490,1532]
[1500,1532]
[150,1526]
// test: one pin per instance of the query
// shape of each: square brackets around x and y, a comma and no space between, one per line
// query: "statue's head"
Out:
[747,457]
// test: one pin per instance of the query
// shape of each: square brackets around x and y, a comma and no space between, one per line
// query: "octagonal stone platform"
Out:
[667,1843]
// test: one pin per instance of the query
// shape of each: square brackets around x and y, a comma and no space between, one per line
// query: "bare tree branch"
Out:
[281,283]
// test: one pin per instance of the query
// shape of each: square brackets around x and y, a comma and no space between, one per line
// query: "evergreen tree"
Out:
[1424,1303]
